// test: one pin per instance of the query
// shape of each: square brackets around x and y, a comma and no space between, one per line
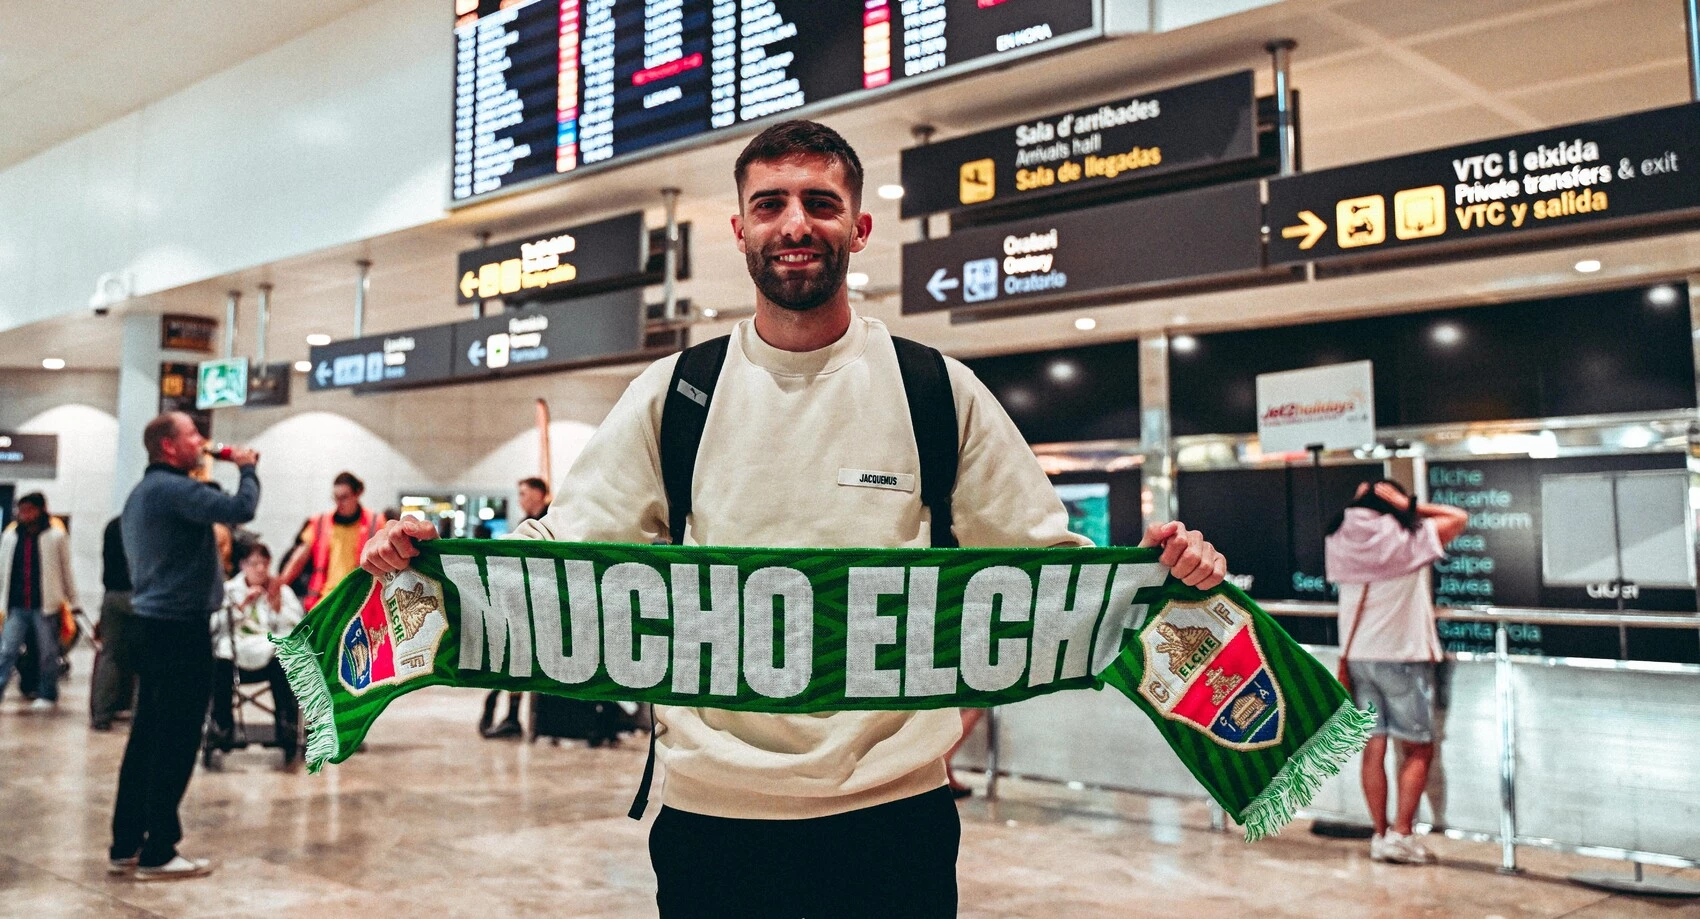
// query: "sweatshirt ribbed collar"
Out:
[845,350]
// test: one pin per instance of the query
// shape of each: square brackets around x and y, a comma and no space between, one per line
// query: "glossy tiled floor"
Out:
[431,820]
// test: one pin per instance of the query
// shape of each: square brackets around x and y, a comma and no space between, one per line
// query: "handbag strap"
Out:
[1357,619]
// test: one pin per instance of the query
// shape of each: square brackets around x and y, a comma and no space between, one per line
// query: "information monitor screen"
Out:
[546,87]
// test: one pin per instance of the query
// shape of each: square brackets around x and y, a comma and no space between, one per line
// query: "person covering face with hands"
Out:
[809,391]
[1379,550]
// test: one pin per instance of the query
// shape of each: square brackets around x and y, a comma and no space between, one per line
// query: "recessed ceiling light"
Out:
[891,192]
[1063,371]
[1185,344]
[1588,265]
[1086,323]
[857,279]
[1447,334]
[318,339]
[53,363]
[1662,296]
[303,366]
[709,312]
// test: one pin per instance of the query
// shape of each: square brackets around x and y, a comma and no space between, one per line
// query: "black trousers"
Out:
[896,859]
[287,714]
[174,662]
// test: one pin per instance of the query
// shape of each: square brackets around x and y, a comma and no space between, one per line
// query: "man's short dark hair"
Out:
[157,432]
[351,480]
[798,136]
[535,483]
[35,499]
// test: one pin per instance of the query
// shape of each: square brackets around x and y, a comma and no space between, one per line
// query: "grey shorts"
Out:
[1402,693]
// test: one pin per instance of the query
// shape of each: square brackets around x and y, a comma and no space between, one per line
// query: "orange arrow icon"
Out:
[469,284]
[1312,230]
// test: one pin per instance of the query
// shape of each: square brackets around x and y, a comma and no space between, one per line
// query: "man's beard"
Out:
[799,294]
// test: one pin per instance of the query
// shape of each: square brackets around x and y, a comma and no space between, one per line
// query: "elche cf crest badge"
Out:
[394,637]
[1204,667]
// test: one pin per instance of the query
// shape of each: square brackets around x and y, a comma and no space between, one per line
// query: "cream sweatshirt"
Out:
[782,430]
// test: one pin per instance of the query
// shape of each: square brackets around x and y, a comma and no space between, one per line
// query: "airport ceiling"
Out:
[1377,78]
[70,66]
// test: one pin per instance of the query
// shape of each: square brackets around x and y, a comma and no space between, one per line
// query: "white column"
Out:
[138,400]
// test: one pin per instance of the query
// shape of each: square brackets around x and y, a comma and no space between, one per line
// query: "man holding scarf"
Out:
[35,581]
[842,814]
[331,541]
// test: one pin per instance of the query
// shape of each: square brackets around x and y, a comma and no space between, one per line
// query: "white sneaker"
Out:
[1378,848]
[1401,849]
[176,869]
[44,705]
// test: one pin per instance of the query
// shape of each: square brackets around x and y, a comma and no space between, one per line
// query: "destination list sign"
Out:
[546,87]
[1569,178]
[1123,140]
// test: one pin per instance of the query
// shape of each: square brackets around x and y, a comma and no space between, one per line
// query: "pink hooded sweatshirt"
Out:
[1371,546]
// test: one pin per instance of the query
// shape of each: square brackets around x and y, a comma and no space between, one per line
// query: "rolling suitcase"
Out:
[595,723]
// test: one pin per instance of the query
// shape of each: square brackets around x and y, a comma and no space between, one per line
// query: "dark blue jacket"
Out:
[168,536]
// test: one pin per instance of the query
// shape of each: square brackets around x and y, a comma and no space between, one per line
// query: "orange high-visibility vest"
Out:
[322,549]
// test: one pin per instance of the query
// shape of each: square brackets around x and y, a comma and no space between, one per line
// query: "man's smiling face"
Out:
[797,225]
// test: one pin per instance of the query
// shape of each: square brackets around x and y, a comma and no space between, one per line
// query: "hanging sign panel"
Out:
[1125,140]
[547,337]
[547,87]
[554,261]
[187,333]
[177,385]
[551,336]
[1097,251]
[268,385]
[1577,178]
[28,456]
[378,362]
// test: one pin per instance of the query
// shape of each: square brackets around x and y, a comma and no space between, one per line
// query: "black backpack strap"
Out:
[640,801]
[684,411]
[932,413]
[683,415]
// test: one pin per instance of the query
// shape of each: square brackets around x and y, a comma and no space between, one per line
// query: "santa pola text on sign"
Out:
[573,622]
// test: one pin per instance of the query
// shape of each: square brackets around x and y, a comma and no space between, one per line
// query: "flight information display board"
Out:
[545,87]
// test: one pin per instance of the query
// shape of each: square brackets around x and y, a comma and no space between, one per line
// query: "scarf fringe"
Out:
[301,665]
[1301,777]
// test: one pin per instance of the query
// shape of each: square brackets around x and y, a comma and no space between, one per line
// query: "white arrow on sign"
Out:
[475,354]
[323,373]
[938,284]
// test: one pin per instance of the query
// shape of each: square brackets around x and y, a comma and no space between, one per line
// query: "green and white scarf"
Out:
[1255,718]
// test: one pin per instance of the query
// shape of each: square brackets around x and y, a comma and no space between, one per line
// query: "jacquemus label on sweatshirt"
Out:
[868,478]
